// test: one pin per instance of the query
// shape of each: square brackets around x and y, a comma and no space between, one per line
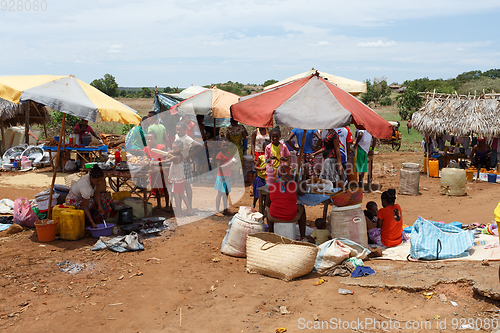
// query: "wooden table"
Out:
[264,190]
[84,154]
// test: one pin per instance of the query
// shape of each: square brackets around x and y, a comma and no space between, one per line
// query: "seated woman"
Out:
[282,200]
[389,231]
[481,154]
[85,194]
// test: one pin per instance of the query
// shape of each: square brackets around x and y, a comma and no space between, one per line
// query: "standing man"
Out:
[158,129]
[189,150]
[308,148]
[345,140]
[362,146]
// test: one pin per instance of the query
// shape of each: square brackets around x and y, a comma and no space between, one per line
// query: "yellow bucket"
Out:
[56,215]
[72,224]
[469,175]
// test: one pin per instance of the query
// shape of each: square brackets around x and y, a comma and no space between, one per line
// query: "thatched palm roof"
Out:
[13,114]
[459,115]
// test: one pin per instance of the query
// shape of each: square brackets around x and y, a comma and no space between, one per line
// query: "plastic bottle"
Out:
[118,157]
[124,155]
[345,292]
[71,139]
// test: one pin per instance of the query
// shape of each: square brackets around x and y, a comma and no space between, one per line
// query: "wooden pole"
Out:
[301,149]
[27,125]
[3,136]
[49,213]
[427,157]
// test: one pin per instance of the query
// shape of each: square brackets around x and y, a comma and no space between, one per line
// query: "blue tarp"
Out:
[101,148]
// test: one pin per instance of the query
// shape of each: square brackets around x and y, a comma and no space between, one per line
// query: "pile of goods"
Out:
[320,186]
[138,159]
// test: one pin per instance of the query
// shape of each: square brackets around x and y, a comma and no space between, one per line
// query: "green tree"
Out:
[56,120]
[492,73]
[107,85]
[408,102]
[168,90]
[375,91]
[469,76]
[145,92]
[269,82]
[477,86]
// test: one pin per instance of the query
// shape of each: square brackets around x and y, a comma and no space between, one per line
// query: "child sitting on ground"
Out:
[321,234]
[177,179]
[389,231]
[371,213]
[260,178]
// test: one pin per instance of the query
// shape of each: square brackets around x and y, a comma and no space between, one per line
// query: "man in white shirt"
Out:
[364,141]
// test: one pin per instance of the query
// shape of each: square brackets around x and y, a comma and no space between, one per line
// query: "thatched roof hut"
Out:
[12,114]
[459,115]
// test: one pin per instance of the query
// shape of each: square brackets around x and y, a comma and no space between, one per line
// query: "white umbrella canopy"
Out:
[66,94]
[188,92]
[351,86]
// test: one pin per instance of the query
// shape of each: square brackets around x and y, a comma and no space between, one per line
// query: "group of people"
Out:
[482,153]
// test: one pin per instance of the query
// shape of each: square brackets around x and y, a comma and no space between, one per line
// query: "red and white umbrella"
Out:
[309,103]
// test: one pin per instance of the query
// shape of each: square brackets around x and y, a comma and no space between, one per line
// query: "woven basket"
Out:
[71,179]
[279,257]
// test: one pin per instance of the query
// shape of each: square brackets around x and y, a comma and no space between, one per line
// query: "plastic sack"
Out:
[433,240]
[70,166]
[334,251]
[23,214]
[242,224]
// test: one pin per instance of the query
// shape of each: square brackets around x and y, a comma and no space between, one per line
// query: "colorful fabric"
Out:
[347,198]
[281,202]
[261,164]
[223,184]
[309,163]
[73,200]
[258,182]
[223,158]
[345,137]
[276,151]
[135,139]
[329,146]
[283,152]
[392,225]
[361,161]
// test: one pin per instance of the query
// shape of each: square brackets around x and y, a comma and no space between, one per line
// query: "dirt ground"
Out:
[175,286]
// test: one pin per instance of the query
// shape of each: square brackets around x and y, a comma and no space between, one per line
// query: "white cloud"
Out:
[378,43]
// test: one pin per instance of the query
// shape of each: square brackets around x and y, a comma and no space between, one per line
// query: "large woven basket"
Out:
[279,257]
[347,198]
[70,180]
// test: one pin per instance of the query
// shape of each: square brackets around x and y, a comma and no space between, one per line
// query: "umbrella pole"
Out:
[49,213]
[27,125]
[3,136]
[427,157]
[215,132]
[301,151]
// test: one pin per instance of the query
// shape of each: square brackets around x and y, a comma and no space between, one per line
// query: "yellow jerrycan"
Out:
[72,224]
[56,215]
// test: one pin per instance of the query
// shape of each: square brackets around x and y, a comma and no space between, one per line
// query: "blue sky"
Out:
[179,43]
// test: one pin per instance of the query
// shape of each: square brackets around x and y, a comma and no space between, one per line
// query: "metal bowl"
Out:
[33,153]
[14,152]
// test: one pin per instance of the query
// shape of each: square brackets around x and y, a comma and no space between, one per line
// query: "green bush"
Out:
[386,101]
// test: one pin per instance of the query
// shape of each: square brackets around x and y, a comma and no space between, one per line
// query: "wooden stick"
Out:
[49,213]
[180,317]
[27,125]
[3,136]
[301,149]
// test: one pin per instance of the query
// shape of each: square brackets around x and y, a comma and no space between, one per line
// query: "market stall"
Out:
[69,95]
[458,118]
